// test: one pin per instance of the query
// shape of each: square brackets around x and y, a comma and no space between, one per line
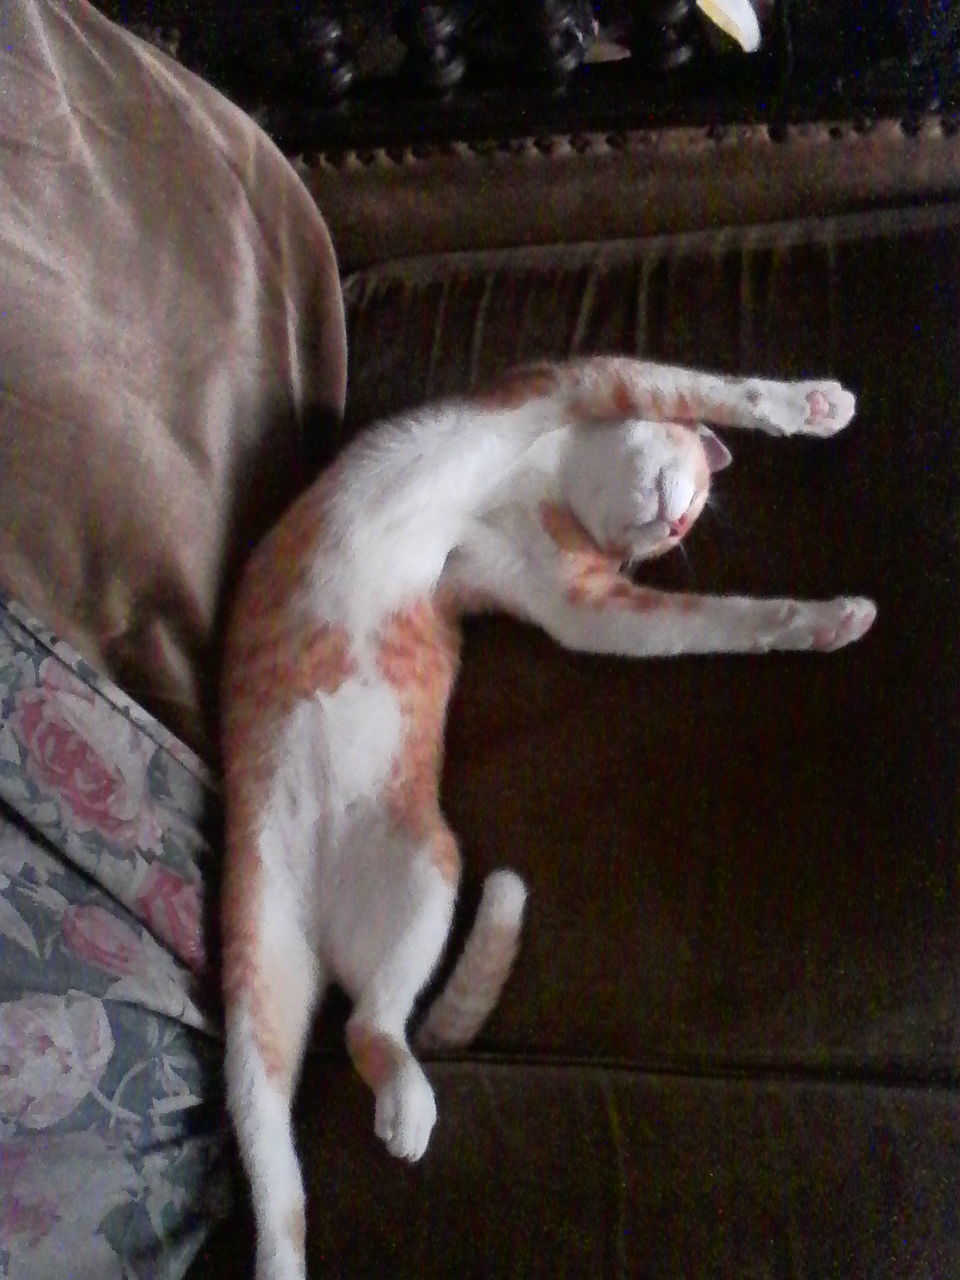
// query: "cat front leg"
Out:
[587,602]
[618,617]
[621,387]
[797,408]
[613,388]
[583,601]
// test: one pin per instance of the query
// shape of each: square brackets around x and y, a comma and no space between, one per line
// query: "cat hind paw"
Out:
[406,1113]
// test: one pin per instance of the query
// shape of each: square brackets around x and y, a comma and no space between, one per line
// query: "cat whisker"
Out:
[714,508]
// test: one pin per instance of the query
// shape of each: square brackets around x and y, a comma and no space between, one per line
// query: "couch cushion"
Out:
[385,203]
[734,863]
[581,1171]
[109,1049]
[171,348]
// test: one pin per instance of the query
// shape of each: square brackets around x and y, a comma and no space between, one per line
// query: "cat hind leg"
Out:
[415,906]
[271,983]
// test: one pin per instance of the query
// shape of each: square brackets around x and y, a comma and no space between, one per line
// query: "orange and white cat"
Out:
[533,498]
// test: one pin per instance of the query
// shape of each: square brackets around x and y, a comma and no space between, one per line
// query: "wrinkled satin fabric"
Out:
[172,358]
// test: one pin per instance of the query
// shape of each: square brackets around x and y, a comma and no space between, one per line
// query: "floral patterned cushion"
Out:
[109,1145]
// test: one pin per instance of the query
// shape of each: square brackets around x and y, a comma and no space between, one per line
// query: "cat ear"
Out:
[718,455]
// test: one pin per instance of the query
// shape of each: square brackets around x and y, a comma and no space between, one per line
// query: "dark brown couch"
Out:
[729,1048]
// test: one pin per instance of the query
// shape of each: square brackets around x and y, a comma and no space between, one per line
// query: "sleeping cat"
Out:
[534,498]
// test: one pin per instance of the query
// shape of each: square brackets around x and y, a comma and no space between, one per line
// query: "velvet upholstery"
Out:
[730,1044]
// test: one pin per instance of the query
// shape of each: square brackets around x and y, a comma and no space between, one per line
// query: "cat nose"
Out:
[679,527]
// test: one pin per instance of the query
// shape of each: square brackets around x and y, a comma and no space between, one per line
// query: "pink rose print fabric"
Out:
[27,1218]
[170,906]
[106,1009]
[53,1051]
[76,748]
[96,935]
[54,1198]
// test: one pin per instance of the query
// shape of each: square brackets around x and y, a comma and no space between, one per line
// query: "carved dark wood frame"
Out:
[472,69]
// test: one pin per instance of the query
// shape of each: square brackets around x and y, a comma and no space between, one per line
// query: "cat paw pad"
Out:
[821,409]
[801,408]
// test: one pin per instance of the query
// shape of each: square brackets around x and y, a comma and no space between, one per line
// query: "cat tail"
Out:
[474,987]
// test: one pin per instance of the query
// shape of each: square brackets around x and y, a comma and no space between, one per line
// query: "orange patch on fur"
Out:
[419,656]
[272,659]
[624,401]
[295,1225]
[453,1021]
[592,576]
[619,595]
[519,387]
[376,1057]
[276,1065]
[563,527]
[276,663]
[324,662]
[445,853]
[244,984]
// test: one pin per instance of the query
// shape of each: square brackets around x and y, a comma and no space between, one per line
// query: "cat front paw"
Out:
[406,1112]
[801,408]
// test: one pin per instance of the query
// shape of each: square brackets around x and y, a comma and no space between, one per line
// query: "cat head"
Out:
[639,487]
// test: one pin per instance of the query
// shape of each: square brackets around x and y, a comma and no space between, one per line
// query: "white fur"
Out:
[261,1116]
[360,725]
[450,497]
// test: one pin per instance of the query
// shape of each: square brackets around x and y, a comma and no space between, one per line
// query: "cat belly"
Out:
[361,728]
[332,762]
[363,905]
